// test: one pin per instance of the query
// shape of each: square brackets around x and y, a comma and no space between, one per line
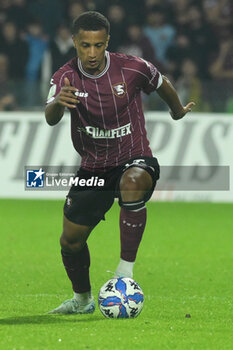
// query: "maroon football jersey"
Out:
[108,125]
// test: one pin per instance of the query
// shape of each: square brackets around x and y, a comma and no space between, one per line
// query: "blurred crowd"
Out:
[190,41]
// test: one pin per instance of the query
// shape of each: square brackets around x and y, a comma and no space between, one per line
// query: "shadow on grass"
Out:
[49,319]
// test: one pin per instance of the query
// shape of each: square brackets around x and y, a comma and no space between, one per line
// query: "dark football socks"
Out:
[77,268]
[132,225]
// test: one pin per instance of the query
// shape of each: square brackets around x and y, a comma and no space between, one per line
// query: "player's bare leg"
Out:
[134,184]
[76,260]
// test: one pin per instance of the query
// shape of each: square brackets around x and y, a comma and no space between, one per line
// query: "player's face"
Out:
[91,46]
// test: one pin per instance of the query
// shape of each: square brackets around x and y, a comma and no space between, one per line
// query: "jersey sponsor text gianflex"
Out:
[110,109]
[97,133]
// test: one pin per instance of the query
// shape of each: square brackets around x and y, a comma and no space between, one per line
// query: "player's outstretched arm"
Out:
[54,111]
[167,92]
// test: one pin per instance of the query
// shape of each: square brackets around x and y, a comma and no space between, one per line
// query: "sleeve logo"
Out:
[52,91]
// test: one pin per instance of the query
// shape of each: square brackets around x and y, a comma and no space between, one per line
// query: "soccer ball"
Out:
[121,298]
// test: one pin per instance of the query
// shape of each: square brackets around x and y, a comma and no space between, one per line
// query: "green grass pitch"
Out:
[184,265]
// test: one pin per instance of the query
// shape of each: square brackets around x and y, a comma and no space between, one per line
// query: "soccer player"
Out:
[102,90]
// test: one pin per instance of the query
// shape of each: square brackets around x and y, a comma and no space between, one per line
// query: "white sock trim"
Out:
[82,298]
[124,269]
[139,209]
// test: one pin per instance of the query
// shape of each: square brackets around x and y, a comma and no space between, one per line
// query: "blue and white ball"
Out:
[121,298]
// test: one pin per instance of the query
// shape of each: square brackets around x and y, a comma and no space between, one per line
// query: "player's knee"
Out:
[134,185]
[130,187]
[128,183]
[71,246]
[131,195]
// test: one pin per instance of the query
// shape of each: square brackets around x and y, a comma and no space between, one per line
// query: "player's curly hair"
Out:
[89,21]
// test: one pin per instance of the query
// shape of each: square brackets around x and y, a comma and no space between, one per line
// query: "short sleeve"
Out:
[56,83]
[54,87]
[151,77]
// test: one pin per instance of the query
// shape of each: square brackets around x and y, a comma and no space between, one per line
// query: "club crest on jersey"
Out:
[119,89]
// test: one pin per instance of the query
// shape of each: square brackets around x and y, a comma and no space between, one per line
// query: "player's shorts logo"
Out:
[119,89]
[68,201]
[35,178]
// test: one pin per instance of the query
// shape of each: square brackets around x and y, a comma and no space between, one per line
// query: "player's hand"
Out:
[183,112]
[66,96]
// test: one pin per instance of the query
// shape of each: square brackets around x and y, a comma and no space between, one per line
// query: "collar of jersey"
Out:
[99,75]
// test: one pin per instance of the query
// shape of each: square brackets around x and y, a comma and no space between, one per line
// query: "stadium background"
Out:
[190,41]
[185,261]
